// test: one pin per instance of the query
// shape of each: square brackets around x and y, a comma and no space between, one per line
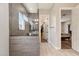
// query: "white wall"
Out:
[4,29]
[75,28]
[52,28]
[55,24]
[55,30]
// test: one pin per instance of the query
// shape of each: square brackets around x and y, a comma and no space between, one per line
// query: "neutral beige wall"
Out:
[4,29]
[14,19]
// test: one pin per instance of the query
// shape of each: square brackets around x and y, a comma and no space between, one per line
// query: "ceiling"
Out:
[45,6]
[33,7]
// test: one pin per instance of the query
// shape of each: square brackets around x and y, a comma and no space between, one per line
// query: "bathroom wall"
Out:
[15,8]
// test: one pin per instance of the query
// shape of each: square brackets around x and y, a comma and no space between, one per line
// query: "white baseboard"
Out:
[75,50]
[53,45]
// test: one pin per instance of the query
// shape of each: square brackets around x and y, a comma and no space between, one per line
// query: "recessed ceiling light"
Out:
[36,19]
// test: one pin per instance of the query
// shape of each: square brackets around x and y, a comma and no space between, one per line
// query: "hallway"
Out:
[47,50]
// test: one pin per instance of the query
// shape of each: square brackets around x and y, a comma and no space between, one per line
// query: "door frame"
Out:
[65,8]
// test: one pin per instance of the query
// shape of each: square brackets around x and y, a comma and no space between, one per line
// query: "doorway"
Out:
[66,31]
[44,28]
